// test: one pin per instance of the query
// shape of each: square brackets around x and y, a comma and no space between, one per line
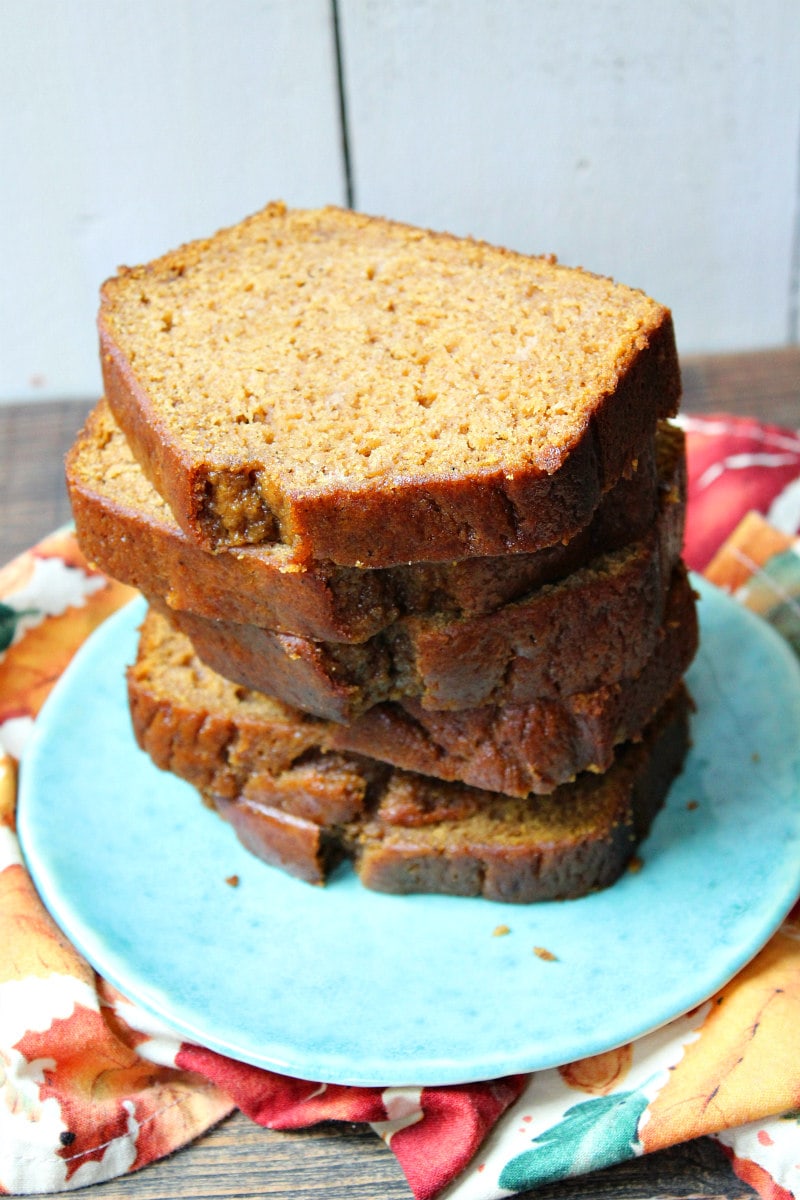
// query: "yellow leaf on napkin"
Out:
[737,1065]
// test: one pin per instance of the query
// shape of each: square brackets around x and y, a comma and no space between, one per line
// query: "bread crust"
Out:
[527,749]
[405,832]
[523,652]
[517,750]
[531,499]
[125,527]
[496,851]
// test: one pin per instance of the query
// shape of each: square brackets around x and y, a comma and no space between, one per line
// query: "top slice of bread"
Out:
[370,393]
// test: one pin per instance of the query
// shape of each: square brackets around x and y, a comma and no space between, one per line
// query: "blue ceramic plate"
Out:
[341,984]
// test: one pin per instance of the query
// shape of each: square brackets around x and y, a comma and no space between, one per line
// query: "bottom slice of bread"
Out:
[429,837]
[404,832]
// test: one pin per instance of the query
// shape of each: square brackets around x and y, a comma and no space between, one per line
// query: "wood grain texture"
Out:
[239,1161]
[237,1158]
[33,497]
[746,384]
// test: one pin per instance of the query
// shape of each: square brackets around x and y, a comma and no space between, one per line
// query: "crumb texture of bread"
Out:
[371,393]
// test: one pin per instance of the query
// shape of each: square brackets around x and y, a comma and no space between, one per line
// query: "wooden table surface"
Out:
[237,1158]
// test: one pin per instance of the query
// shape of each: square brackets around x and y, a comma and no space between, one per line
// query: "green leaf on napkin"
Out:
[782,573]
[593,1134]
[9,620]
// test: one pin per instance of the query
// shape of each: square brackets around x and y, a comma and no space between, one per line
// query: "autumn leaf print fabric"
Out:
[735,466]
[91,1087]
[80,1101]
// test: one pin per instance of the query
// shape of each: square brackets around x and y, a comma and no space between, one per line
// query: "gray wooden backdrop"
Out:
[659,144]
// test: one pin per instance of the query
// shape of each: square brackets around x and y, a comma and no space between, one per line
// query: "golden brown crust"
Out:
[559,847]
[521,652]
[406,832]
[515,749]
[296,845]
[523,749]
[510,451]
[125,527]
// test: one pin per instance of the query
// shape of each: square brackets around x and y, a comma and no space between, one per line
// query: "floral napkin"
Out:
[91,1087]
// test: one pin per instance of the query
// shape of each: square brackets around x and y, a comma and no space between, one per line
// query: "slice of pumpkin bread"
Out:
[126,528]
[424,837]
[533,648]
[302,808]
[419,835]
[369,393]
[514,749]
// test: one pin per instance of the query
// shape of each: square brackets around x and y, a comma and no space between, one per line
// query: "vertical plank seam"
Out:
[344,127]
[793,329]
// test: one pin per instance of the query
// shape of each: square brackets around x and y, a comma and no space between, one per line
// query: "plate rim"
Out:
[443,1071]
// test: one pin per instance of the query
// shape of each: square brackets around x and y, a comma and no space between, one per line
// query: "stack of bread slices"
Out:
[408,512]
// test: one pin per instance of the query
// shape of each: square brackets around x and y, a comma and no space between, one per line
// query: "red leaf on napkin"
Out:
[736,465]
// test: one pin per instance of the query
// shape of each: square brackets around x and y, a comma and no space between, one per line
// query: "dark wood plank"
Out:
[239,1159]
[33,497]
[765,384]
